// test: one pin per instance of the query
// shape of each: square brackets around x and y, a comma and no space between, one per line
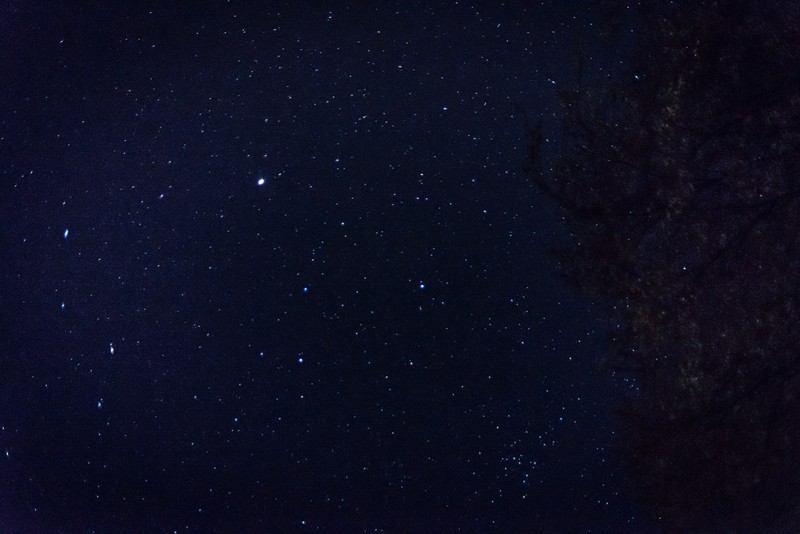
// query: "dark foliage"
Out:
[680,187]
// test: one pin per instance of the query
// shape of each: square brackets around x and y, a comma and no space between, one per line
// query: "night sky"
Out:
[272,266]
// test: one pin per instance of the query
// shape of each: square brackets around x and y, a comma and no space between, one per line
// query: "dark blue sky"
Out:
[375,337]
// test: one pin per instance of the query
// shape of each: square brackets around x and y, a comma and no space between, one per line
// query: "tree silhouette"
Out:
[679,183]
